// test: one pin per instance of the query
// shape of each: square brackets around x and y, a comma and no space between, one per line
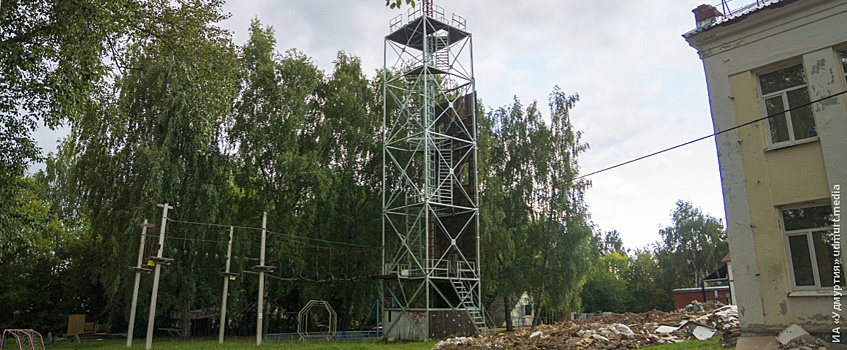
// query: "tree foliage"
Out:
[534,215]
[399,3]
[639,281]
[53,55]
[606,287]
[223,133]
[691,248]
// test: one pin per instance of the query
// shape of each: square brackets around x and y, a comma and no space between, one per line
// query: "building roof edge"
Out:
[739,15]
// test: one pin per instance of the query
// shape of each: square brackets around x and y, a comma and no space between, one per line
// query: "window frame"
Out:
[792,140]
[810,242]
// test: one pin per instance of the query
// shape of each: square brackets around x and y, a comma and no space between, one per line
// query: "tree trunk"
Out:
[507,309]
[185,325]
[537,312]
[348,314]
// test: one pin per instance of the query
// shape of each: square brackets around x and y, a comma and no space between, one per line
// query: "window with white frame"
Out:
[782,90]
[810,242]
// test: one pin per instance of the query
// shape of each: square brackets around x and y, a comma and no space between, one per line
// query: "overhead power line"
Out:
[284,235]
[708,136]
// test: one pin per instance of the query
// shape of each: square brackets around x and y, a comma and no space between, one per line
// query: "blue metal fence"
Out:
[339,336]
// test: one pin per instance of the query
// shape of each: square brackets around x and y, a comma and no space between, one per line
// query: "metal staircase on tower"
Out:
[441,175]
[469,302]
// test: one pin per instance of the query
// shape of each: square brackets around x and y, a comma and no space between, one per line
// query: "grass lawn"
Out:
[235,343]
[250,343]
[713,343]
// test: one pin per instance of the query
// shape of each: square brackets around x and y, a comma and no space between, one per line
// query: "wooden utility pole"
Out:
[158,260]
[138,271]
[227,277]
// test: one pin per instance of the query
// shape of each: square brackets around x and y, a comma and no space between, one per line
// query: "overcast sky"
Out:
[641,87]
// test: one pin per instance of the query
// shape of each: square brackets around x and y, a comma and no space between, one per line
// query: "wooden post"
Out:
[227,276]
[261,281]
[138,269]
[151,319]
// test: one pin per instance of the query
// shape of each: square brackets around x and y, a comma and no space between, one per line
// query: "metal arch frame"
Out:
[421,173]
[28,336]
[303,329]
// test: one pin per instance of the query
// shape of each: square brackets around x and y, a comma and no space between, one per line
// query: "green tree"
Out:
[642,277]
[504,211]
[560,246]
[691,248]
[606,243]
[52,57]
[612,242]
[399,3]
[352,205]
[274,126]
[537,231]
[622,280]
[282,159]
[36,262]
[606,289]
[157,138]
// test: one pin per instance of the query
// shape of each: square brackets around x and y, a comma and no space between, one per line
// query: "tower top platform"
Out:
[428,19]
[412,34]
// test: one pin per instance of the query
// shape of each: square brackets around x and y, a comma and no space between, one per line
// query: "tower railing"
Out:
[416,12]
[396,22]
[458,22]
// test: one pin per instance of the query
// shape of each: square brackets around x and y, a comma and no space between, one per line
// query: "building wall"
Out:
[757,180]
[775,178]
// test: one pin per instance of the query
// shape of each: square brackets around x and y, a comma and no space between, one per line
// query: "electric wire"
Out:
[289,237]
[709,136]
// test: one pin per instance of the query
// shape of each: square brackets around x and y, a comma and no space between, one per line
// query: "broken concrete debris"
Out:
[444,344]
[729,339]
[805,342]
[616,331]
[535,334]
[702,332]
[790,333]
[630,331]
[795,337]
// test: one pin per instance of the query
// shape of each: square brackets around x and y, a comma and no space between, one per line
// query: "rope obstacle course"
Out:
[263,269]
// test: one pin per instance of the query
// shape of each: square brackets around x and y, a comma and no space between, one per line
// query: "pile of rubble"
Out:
[616,331]
[795,337]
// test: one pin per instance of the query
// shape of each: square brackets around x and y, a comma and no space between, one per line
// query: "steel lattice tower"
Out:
[430,227]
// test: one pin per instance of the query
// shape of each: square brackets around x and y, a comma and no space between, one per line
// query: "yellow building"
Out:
[781,176]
